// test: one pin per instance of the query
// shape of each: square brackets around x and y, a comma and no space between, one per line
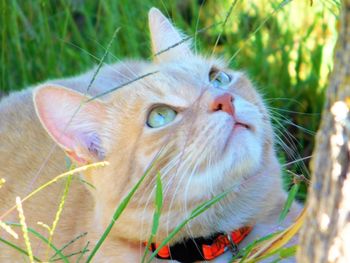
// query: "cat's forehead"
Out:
[187,67]
[183,76]
[176,82]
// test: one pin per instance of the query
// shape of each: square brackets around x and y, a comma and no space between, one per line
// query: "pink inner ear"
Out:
[73,131]
[164,35]
[55,109]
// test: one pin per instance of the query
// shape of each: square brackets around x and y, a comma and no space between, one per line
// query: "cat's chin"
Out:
[238,130]
[243,151]
[233,169]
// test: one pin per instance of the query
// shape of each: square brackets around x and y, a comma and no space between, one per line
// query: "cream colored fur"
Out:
[200,157]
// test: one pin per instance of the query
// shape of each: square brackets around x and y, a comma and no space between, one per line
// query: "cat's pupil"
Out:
[219,79]
[161,116]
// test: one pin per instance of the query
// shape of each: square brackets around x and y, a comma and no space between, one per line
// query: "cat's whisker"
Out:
[185,171]
[188,226]
[285,147]
[292,150]
[208,177]
[184,107]
[151,193]
[163,174]
[182,167]
[196,155]
[192,118]
[286,120]
[186,161]
[152,183]
[150,189]
[294,101]
[127,78]
[299,177]
[286,134]
[298,160]
[168,220]
[275,109]
[199,157]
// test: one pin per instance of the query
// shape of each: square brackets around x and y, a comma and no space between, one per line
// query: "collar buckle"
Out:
[232,246]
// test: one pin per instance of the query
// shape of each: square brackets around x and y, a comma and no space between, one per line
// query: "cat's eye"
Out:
[161,116]
[219,79]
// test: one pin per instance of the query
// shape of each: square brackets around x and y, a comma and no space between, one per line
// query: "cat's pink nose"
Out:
[223,103]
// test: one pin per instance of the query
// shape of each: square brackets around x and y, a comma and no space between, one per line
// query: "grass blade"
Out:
[71,172]
[2,181]
[84,251]
[24,228]
[80,253]
[274,244]
[120,86]
[196,212]
[60,208]
[291,196]
[244,253]
[20,250]
[283,253]
[42,238]
[157,213]
[68,244]
[8,229]
[118,212]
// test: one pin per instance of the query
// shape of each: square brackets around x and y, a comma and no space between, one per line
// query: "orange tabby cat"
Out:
[207,123]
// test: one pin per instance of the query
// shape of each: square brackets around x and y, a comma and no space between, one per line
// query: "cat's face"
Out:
[206,122]
[176,110]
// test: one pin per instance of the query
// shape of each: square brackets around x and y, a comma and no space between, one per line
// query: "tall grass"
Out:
[284,46]
[288,55]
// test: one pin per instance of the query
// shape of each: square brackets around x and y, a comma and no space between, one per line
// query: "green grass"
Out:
[287,53]
[284,46]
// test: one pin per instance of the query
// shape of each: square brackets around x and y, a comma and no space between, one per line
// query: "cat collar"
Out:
[198,249]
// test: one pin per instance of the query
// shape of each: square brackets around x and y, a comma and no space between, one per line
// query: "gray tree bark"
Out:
[325,235]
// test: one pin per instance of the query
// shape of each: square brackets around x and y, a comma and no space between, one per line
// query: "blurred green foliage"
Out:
[284,46]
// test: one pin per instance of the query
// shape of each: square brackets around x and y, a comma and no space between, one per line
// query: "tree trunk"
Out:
[325,236]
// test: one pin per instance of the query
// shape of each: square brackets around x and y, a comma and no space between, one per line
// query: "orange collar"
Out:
[198,249]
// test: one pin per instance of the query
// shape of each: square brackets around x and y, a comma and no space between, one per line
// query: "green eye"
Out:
[219,79]
[161,116]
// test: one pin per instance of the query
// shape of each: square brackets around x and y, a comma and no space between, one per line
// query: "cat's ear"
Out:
[167,42]
[72,121]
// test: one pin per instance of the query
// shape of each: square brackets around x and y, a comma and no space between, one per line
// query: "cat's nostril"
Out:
[223,103]
[219,107]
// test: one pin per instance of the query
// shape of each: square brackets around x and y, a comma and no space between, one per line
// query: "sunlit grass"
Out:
[24,227]
[59,177]
[22,223]
[286,50]
[289,57]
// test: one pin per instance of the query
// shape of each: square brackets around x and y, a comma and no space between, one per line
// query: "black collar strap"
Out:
[198,249]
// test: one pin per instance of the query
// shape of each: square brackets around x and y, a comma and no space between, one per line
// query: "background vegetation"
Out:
[285,47]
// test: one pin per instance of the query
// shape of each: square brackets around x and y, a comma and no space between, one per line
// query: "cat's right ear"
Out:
[167,42]
[72,121]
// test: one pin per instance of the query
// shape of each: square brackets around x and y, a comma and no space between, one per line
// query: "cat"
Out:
[202,126]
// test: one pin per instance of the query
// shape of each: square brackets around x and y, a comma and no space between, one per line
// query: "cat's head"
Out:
[205,126]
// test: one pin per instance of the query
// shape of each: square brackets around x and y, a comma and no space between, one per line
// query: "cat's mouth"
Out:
[239,126]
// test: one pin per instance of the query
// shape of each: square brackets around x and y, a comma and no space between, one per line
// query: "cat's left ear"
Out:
[72,120]
[167,42]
